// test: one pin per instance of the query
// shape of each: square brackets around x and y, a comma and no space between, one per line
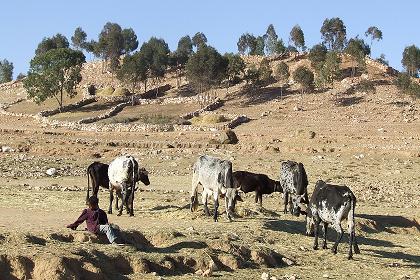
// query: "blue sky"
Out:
[23,24]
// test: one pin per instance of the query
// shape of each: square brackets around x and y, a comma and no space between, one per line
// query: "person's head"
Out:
[93,202]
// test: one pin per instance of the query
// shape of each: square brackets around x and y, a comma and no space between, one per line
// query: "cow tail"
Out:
[88,186]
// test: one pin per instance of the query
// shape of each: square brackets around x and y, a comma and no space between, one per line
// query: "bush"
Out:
[121,92]
[407,86]
[208,119]
[106,91]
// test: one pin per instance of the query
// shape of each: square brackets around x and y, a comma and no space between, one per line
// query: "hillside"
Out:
[365,138]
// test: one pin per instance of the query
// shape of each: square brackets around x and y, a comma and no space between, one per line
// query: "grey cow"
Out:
[294,181]
[215,176]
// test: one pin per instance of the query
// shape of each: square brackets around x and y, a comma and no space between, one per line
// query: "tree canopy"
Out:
[78,39]
[304,77]
[53,74]
[6,71]
[374,33]
[357,49]
[206,68]
[58,41]
[271,40]
[317,56]
[297,37]
[333,33]
[199,40]
[411,60]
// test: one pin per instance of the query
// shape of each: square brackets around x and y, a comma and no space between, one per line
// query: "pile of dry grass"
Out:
[208,119]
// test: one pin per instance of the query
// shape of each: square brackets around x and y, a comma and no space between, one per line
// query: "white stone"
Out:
[6,149]
[51,171]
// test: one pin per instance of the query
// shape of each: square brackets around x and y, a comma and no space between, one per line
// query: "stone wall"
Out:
[211,107]
[67,108]
[112,112]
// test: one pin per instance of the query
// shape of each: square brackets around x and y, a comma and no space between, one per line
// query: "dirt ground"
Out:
[370,142]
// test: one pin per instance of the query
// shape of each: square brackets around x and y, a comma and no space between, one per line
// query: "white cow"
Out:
[215,176]
[123,173]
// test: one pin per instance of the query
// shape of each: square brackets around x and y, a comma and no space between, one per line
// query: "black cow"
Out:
[260,183]
[330,204]
[98,173]
[294,182]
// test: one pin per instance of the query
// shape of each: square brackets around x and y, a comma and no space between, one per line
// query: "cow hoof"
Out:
[119,214]
[356,250]
[350,257]
[131,215]
[315,247]
[109,212]
[324,246]
[334,250]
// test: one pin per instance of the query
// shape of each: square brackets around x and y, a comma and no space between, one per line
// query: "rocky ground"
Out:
[369,141]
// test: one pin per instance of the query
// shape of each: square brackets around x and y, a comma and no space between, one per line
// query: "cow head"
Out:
[143,176]
[277,187]
[298,206]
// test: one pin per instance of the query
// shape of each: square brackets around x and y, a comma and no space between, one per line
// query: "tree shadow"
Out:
[97,107]
[167,207]
[349,101]
[263,95]
[286,226]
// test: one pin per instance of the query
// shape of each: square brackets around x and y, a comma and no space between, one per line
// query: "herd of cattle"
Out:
[329,204]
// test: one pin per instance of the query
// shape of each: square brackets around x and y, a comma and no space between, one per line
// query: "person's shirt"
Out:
[93,219]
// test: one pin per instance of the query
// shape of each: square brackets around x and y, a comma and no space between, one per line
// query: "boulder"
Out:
[51,171]
[6,149]
[228,137]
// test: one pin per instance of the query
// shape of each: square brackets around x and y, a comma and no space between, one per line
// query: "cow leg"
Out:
[355,246]
[286,200]
[339,236]
[260,198]
[316,231]
[324,245]
[123,199]
[111,198]
[216,205]
[204,200]
[132,203]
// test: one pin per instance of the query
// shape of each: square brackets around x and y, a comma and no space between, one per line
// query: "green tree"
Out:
[247,44]
[407,86]
[206,68]
[110,45]
[317,56]
[6,71]
[271,40]
[156,54]
[252,76]
[259,46]
[374,33]
[411,60]
[280,48]
[282,74]
[357,49]
[235,68]
[53,74]
[382,59]
[333,33]
[20,76]
[297,37]
[199,40]
[79,38]
[305,78]
[134,70]
[266,74]
[330,70]
[181,55]
[130,40]
[58,41]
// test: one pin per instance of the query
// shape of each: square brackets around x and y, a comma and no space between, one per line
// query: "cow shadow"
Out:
[299,227]
[398,256]
[168,207]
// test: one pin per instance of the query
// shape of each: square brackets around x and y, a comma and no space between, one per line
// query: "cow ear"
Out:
[239,198]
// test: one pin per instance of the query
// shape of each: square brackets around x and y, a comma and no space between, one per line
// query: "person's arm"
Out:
[80,220]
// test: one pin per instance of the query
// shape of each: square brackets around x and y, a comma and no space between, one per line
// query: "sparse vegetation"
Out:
[334,33]
[357,49]
[282,74]
[305,78]
[208,119]
[6,71]
[411,60]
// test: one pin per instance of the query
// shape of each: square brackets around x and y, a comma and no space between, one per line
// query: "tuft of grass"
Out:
[107,91]
[208,119]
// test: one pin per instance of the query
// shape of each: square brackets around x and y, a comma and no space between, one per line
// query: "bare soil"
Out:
[368,141]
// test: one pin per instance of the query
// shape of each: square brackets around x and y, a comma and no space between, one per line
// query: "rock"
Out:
[6,149]
[228,137]
[325,275]
[51,171]
[265,276]
[297,108]
[265,114]
[288,261]
[311,135]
